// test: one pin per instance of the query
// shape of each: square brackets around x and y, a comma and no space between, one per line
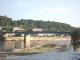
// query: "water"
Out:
[50,55]
[58,54]
[44,42]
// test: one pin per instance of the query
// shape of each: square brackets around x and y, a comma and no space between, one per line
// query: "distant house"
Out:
[16,29]
[11,34]
[33,29]
[37,29]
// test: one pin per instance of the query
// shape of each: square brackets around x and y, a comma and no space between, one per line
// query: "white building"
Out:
[16,28]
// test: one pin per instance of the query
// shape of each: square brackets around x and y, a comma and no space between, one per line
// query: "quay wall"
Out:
[39,38]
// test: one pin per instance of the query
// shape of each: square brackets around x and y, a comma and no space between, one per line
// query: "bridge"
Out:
[37,32]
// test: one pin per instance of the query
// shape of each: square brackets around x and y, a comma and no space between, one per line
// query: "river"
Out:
[66,53]
[58,54]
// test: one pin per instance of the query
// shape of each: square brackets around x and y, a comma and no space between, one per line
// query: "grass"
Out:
[44,47]
[25,51]
[47,46]
[41,48]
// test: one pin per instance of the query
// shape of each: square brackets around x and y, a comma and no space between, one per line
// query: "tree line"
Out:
[29,23]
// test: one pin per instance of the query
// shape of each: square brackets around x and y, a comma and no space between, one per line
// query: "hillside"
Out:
[29,23]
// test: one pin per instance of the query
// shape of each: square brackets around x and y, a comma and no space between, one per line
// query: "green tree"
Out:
[7,28]
[75,38]
[26,23]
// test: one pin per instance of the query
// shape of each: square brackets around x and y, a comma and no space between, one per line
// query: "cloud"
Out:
[21,4]
[59,10]
[78,2]
[73,5]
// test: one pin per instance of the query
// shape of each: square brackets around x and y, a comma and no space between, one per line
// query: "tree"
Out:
[75,38]
[7,28]
[26,23]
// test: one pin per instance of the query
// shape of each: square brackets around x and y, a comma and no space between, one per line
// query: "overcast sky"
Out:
[65,11]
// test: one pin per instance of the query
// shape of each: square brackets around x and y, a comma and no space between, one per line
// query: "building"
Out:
[16,29]
[37,29]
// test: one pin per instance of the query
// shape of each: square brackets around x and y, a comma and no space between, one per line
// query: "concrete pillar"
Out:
[6,45]
[22,44]
[24,41]
[13,45]
[28,41]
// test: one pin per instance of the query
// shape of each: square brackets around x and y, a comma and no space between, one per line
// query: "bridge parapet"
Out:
[42,32]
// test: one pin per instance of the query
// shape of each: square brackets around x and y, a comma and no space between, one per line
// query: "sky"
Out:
[64,11]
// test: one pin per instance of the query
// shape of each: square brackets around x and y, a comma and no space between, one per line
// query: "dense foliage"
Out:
[7,28]
[45,25]
[76,38]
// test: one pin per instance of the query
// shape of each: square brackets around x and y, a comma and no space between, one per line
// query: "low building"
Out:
[16,29]
[37,29]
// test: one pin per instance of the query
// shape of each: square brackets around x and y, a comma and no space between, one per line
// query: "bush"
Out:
[75,38]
